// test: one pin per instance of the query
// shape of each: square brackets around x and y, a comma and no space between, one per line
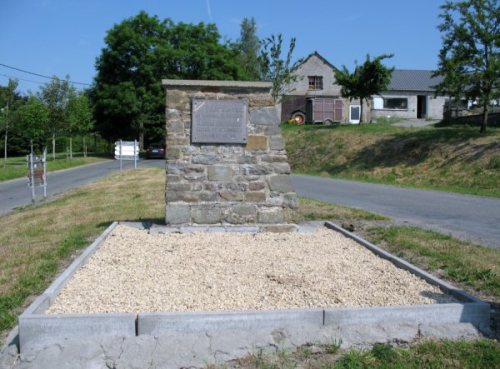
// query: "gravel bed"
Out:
[134,271]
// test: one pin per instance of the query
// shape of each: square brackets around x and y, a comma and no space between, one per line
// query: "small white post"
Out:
[121,165]
[32,178]
[135,158]
[45,173]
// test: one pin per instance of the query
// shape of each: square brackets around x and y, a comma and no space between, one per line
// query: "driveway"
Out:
[471,218]
[16,193]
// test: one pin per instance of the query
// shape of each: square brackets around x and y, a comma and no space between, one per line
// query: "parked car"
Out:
[155,151]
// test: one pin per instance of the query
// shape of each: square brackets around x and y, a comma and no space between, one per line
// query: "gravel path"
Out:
[134,271]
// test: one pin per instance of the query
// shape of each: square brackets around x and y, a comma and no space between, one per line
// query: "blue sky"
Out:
[64,37]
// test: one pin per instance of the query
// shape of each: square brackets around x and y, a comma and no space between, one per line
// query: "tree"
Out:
[8,99]
[33,122]
[469,59]
[368,79]
[79,117]
[248,47]
[127,96]
[274,68]
[55,96]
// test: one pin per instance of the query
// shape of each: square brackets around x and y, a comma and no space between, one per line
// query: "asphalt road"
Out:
[16,193]
[472,218]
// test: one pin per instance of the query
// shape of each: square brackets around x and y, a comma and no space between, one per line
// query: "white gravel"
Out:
[134,271]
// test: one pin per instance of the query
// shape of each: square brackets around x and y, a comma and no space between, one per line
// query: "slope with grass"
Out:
[448,158]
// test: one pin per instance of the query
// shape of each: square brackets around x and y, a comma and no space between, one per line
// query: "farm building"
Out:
[314,97]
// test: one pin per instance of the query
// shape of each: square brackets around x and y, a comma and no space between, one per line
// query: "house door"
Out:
[421,106]
[354,114]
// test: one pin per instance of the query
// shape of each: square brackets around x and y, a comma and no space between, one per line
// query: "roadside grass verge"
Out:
[16,166]
[480,354]
[455,260]
[36,243]
[450,158]
[310,209]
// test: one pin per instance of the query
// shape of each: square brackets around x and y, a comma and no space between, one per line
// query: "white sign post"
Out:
[127,150]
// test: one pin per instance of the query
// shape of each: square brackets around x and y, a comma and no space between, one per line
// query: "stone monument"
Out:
[226,158]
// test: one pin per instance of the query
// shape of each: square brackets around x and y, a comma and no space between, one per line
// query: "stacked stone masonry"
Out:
[230,184]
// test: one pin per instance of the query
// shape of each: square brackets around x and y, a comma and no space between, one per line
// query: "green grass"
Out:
[317,210]
[16,166]
[480,354]
[450,158]
[459,261]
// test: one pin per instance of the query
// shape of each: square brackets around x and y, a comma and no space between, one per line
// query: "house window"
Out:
[315,82]
[396,103]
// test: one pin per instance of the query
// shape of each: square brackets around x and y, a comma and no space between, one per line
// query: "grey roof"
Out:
[413,80]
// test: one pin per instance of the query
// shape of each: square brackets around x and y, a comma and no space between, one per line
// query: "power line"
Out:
[41,75]
[21,79]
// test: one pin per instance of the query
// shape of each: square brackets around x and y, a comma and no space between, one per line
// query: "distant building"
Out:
[315,96]
[410,95]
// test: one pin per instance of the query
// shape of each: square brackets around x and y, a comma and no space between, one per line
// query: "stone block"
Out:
[291,200]
[257,169]
[264,116]
[177,214]
[178,186]
[274,158]
[241,214]
[257,143]
[206,214]
[221,173]
[255,196]
[280,183]
[171,178]
[173,152]
[232,196]
[205,159]
[175,126]
[172,114]
[177,99]
[208,196]
[256,186]
[277,142]
[281,168]
[272,215]
[246,159]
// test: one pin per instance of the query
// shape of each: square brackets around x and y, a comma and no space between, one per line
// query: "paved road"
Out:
[467,217]
[16,193]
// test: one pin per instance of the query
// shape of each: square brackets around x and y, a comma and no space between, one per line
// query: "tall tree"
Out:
[8,99]
[127,95]
[276,69]
[469,59]
[79,118]
[248,47]
[368,79]
[55,96]
[33,122]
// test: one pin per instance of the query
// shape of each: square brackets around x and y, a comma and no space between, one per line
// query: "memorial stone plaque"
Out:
[219,121]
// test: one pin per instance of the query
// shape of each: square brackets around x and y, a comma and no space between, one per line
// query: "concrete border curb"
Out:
[232,330]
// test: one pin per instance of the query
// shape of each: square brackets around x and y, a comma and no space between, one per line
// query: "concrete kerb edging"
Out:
[38,330]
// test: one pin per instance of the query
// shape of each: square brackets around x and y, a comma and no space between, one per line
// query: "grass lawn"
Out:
[448,158]
[37,243]
[16,166]
[480,354]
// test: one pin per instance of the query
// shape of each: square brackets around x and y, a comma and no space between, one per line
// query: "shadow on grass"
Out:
[414,147]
